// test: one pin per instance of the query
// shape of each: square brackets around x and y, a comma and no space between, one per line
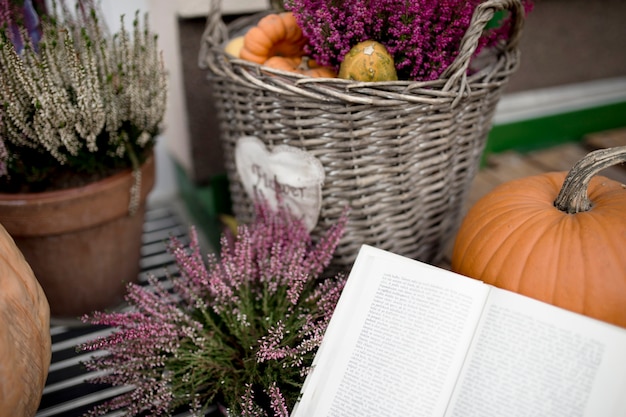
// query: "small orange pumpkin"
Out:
[274,35]
[557,237]
[302,65]
[24,334]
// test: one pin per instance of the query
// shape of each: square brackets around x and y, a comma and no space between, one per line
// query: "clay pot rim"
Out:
[65,211]
[68,194]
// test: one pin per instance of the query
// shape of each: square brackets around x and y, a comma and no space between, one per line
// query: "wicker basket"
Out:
[402,155]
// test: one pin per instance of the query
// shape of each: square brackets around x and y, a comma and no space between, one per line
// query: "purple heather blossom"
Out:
[6,17]
[241,328]
[423,36]
[4,157]
[14,17]
[278,401]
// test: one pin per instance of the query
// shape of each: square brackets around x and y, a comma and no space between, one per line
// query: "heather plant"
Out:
[76,103]
[239,330]
[423,36]
[18,15]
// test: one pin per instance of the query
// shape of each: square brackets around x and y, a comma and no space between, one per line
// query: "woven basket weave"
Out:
[402,155]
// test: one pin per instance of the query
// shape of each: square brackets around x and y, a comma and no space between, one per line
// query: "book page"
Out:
[396,341]
[533,359]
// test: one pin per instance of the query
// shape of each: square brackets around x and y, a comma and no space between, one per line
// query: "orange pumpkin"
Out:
[274,35]
[556,237]
[302,65]
[24,333]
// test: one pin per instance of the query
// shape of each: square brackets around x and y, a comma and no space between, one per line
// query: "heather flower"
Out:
[423,36]
[75,101]
[239,330]
[4,157]
[16,17]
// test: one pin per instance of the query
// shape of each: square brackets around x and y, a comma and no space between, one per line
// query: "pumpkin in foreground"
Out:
[24,333]
[556,237]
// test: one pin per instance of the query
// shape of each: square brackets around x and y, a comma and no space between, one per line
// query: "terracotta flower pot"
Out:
[82,243]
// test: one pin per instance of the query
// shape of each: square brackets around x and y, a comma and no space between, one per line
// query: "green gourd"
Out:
[368,61]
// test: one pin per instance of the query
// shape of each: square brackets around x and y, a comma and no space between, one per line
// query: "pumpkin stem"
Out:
[304,64]
[573,196]
[277,5]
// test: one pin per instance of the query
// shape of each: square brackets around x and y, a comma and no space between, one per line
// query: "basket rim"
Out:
[383,93]
[454,85]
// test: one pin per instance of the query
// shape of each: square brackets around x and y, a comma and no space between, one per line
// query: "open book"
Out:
[409,339]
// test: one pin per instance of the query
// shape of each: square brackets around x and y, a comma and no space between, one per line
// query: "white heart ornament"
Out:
[294,174]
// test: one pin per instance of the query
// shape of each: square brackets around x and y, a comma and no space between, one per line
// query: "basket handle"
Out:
[457,71]
[215,32]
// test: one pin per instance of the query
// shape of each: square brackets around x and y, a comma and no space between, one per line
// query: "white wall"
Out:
[163,21]
[195,8]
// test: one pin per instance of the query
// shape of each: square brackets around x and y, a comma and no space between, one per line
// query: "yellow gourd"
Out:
[233,47]
[368,61]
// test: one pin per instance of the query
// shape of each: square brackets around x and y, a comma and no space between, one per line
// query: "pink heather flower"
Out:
[423,36]
[240,328]
[278,401]
[249,406]
[4,157]
[14,16]
[270,346]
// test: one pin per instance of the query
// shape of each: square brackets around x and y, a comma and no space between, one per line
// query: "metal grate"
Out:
[67,394]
